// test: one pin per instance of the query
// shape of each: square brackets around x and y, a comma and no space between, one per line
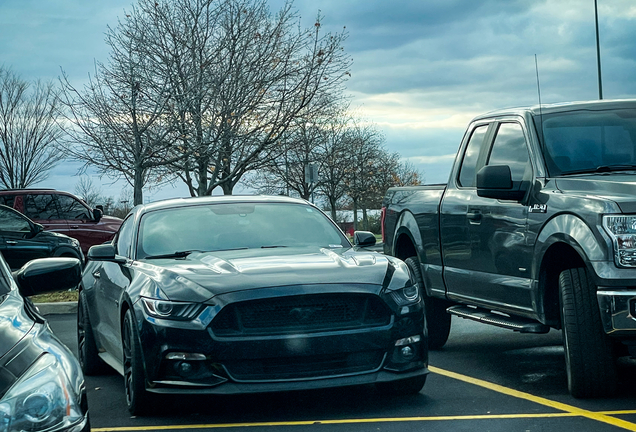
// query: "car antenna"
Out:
[536,67]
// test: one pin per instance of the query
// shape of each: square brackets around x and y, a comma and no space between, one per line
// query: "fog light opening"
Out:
[407,352]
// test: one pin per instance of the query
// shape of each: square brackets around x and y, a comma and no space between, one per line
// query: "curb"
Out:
[57,308]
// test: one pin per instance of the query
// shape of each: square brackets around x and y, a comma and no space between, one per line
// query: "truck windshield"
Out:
[588,141]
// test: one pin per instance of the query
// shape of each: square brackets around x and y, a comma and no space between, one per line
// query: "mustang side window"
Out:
[124,238]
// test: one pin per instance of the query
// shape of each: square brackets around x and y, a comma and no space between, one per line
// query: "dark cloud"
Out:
[421,69]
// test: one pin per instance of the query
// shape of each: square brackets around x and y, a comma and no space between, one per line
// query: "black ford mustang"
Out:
[246,294]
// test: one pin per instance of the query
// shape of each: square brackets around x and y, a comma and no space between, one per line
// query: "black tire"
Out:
[137,398]
[589,357]
[408,386]
[438,321]
[87,351]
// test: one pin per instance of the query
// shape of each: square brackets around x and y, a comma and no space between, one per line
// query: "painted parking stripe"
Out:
[567,411]
[353,421]
[601,417]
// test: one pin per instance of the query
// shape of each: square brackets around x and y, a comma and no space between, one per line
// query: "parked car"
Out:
[41,383]
[22,240]
[536,229]
[63,212]
[246,294]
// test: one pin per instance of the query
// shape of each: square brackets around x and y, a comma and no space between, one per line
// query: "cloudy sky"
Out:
[422,69]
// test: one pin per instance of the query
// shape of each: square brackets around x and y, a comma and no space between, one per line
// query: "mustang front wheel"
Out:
[137,398]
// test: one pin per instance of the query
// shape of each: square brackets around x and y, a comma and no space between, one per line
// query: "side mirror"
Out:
[36,229]
[495,181]
[48,275]
[363,238]
[104,252]
[97,214]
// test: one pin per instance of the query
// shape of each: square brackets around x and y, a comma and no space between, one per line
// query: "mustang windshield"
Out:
[231,226]
[588,141]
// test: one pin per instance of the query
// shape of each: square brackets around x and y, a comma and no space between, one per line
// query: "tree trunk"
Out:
[365,219]
[355,215]
[138,197]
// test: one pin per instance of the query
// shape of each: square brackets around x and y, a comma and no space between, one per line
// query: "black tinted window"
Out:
[584,140]
[40,207]
[469,163]
[70,208]
[510,149]
[7,200]
[13,222]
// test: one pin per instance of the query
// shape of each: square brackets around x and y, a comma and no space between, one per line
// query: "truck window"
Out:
[468,170]
[510,149]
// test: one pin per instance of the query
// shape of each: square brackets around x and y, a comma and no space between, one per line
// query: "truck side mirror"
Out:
[495,181]
[98,213]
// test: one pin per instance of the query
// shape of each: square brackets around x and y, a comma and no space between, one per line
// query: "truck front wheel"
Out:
[438,320]
[589,359]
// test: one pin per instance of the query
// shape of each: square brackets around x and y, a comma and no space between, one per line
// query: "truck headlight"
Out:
[42,400]
[622,230]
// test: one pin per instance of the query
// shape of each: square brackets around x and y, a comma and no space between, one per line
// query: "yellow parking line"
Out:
[601,417]
[567,411]
[348,421]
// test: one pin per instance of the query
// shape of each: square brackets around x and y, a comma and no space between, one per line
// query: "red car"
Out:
[64,213]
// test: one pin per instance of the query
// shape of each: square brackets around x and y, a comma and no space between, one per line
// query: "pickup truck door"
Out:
[486,252]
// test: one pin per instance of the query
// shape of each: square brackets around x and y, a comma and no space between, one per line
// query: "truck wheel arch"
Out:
[565,242]
[407,237]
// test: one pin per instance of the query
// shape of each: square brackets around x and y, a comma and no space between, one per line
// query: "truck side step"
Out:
[485,316]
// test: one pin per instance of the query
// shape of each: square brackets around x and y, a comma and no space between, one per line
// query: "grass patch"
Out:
[60,296]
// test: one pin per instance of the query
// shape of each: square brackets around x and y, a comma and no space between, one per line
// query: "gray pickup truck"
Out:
[535,229]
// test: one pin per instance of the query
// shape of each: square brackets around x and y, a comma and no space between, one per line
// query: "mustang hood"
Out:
[617,187]
[229,271]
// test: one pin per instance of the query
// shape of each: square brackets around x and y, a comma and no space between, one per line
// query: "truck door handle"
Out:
[12,242]
[474,216]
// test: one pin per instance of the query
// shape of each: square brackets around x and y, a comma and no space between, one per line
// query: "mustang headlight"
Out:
[406,296]
[41,400]
[622,230]
[166,309]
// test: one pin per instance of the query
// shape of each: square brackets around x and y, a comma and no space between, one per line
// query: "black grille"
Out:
[304,367]
[295,314]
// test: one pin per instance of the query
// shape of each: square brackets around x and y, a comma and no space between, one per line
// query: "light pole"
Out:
[598,53]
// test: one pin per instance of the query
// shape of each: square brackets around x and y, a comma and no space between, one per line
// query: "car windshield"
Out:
[589,141]
[173,233]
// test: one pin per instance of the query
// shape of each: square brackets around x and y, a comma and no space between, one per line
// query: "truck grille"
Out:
[301,314]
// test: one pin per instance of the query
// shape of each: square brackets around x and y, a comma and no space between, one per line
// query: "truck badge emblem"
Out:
[539,208]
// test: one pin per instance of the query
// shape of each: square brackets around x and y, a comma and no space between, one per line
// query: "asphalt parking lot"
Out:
[485,378]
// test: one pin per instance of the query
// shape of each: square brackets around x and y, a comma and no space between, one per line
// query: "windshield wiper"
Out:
[272,246]
[617,167]
[602,169]
[178,254]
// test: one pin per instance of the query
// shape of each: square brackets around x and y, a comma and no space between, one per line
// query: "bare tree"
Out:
[364,143]
[117,123]
[239,78]
[29,133]
[335,161]
[86,189]
[300,148]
